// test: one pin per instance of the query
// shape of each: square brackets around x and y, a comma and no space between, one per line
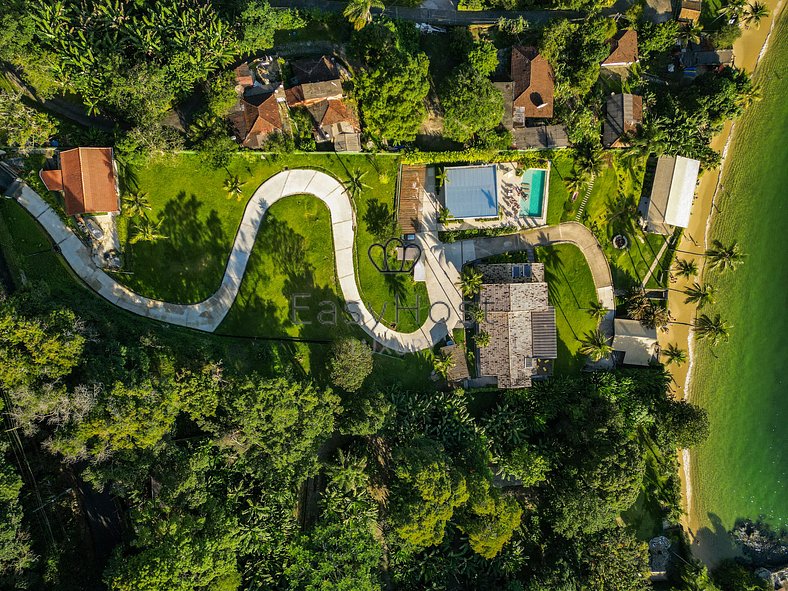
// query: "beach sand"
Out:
[747,50]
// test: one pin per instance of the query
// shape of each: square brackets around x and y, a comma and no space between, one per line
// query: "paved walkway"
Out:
[443,262]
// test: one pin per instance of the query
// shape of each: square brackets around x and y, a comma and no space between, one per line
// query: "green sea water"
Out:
[742,470]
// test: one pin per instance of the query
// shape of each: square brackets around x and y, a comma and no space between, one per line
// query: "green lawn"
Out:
[200,224]
[559,206]
[571,290]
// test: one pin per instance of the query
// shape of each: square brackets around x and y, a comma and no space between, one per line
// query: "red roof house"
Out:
[623,49]
[87,180]
[257,118]
[534,84]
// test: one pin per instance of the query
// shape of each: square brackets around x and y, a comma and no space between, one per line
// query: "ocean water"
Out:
[742,470]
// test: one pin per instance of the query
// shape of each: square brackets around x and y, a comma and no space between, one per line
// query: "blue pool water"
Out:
[531,201]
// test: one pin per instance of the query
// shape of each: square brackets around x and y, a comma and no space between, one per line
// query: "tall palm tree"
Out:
[595,345]
[136,204]
[686,268]
[713,330]
[588,159]
[147,230]
[691,32]
[733,9]
[673,354]
[471,281]
[597,311]
[576,181]
[359,12]
[655,316]
[356,182]
[637,303]
[749,95]
[482,339]
[234,187]
[700,295]
[723,258]
[649,139]
[754,12]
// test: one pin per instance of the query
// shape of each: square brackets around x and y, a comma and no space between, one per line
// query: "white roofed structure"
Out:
[633,343]
[672,192]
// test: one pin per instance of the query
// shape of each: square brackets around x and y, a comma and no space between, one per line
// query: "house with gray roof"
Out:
[520,322]
[670,201]
[623,115]
[634,344]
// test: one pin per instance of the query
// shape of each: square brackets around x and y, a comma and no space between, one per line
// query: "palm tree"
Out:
[655,316]
[442,364]
[650,138]
[722,258]
[356,182]
[637,303]
[749,95]
[147,231]
[733,9]
[686,268]
[234,187]
[753,14]
[674,355]
[136,204]
[597,311]
[482,339]
[588,159]
[700,295]
[595,345]
[711,329]
[471,281]
[691,32]
[359,12]
[349,474]
[576,181]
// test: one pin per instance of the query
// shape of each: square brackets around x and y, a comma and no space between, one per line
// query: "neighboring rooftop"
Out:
[540,137]
[87,179]
[337,123]
[314,80]
[672,192]
[256,117]
[533,88]
[471,191]
[690,10]
[634,344]
[623,49]
[410,192]
[623,115]
[521,325]
[310,70]
[459,367]
[693,58]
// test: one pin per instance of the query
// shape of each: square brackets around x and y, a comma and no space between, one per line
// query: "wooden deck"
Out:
[411,188]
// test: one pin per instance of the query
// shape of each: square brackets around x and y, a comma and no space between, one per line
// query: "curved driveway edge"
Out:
[443,262]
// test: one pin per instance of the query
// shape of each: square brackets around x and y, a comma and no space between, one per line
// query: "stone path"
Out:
[443,262]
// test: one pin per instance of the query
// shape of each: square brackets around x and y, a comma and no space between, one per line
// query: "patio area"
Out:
[521,196]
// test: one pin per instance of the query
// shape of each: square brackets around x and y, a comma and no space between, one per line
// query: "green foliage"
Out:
[429,489]
[364,412]
[350,364]
[302,124]
[283,420]
[471,104]
[22,126]
[220,94]
[732,576]
[483,57]
[392,88]
[684,424]
[15,552]
[656,38]
[490,523]
[615,559]
[575,50]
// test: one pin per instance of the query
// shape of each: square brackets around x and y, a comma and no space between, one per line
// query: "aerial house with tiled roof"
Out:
[520,323]
[256,118]
[87,179]
[533,85]
[623,50]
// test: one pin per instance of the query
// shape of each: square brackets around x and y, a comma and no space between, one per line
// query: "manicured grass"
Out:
[571,290]
[560,208]
[292,264]
[200,223]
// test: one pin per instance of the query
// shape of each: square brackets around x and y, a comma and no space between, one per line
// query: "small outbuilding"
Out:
[633,344]
[541,137]
[87,179]
[670,201]
[471,191]
[623,115]
[689,11]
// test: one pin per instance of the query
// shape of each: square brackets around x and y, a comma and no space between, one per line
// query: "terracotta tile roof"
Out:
[87,179]
[623,49]
[258,117]
[244,76]
[338,111]
[534,83]
[306,94]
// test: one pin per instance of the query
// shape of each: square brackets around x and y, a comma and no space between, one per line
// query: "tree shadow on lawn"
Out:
[379,218]
[188,264]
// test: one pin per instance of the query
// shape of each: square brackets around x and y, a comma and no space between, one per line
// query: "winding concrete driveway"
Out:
[443,262]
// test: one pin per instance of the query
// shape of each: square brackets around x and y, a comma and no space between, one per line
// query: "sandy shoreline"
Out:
[748,50]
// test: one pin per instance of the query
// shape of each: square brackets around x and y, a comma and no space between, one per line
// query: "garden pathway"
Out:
[443,262]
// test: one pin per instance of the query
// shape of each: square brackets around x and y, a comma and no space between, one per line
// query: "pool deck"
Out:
[508,179]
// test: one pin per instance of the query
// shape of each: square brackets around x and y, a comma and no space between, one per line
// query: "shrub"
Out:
[350,364]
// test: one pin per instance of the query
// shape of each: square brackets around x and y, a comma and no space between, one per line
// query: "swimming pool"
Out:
[533,192]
